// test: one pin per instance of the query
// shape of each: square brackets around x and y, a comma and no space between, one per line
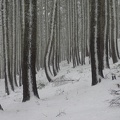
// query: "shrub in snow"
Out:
[116,100]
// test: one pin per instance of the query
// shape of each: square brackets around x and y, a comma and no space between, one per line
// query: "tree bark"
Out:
[29,54]
[93,41]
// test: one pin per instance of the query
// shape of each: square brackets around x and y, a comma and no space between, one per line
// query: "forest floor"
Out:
[70,97]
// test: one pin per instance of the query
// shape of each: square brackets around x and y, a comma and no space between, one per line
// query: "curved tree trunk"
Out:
[50,77]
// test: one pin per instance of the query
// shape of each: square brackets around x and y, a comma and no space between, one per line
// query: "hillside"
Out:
[71,97]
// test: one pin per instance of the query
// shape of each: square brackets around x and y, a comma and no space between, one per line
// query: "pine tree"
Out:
[93,41]
[29,55]
[8,81]
[49,75]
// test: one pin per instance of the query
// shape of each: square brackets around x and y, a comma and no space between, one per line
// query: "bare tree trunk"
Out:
[50,44]
[14,43]
[113,32]
[29,57]
[106,35]
[21,4]
[100,44]
[8,81]
[93,41]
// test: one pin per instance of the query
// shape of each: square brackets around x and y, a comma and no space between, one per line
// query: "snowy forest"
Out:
[60,59]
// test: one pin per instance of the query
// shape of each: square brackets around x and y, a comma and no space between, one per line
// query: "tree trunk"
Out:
[1,108]
[29,54]
[50,44]
[113,32]
[8,82]
[93,41]
[106,35]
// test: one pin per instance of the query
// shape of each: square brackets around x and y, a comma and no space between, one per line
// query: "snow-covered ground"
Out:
[71,97]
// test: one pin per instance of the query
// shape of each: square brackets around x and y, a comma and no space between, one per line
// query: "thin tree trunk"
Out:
[8,82]
[50,44]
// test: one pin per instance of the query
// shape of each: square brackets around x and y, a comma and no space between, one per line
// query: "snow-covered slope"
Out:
[71,97]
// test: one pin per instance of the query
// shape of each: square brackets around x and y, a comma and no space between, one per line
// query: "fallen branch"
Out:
[115,102]
[67,80]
